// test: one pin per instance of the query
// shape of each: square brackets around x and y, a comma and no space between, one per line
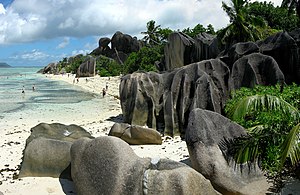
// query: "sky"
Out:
[38,32]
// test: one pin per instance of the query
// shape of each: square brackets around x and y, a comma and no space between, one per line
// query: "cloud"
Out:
[84,52]
[63,44]
[33,55]
[32,20]
[2,9]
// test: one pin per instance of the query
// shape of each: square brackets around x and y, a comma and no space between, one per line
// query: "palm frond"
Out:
[259,103]
[291,146]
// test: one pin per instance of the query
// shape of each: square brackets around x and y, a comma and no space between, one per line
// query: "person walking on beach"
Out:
[106,86]
[103,92]
[23,90]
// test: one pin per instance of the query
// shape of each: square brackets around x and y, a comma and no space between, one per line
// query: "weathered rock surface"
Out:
[121,46]
[237,51]
[283,48]
[206,47]
[205,132]
[124,43]
[50,69]
[178,50]
[87,68]
[47,150]
[163,101]
[134,134]
[255,69]
[107,165]
[182,49]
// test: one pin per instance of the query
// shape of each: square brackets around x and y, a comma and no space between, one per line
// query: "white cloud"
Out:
[2,9]
[84,52]
[63,44]
[31,20]
[33,55]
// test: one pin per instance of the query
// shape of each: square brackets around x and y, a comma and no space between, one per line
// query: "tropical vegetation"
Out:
[272,116]
[292,5]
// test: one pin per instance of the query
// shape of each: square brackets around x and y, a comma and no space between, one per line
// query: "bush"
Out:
[144,59]
[108,67]
[267,129]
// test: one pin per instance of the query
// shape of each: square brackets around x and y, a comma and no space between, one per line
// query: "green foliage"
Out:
[108,67]
[151,35]
[155,35]
[74,63]
[272,119]
[292,5]
[276,17]
[143,60]
[199,28]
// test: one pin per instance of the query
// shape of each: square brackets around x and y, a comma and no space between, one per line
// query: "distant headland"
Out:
[4,65]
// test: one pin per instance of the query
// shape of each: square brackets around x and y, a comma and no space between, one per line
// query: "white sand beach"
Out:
[96,117]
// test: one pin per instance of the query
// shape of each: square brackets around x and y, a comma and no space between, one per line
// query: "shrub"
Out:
[144,59]
[108,67]
[268,128]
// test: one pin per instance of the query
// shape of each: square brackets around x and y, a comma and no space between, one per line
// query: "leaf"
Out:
[291,146]
[259,103]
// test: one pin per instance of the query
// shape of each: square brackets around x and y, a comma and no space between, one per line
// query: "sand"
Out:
[96,116]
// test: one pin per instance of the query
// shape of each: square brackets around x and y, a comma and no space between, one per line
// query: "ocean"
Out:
[46,91]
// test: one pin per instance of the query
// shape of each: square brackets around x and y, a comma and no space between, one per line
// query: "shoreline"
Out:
[96,116]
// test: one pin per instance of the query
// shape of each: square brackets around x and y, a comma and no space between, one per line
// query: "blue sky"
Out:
[38,32]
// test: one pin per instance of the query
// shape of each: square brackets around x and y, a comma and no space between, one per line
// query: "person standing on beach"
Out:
[103,92]
[33,87]
[23,90]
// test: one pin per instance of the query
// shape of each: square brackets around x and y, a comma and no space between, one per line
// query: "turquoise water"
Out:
[14,80]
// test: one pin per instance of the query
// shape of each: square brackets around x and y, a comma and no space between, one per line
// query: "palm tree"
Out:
[152,33]
[243,27]
[292,5]
[250,148]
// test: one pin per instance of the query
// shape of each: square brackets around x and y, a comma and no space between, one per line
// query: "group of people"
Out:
[23,88]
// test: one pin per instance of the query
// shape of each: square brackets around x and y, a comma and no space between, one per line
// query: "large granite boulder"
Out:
[295,34]
[135,134]
[255,69]
[103,48]
[283,48]
[47,150]
[164,101]
[237,51]
[178,50]
[205,132]
[87,68]
[107,165]
[51,68]
[206,46]
[124,43]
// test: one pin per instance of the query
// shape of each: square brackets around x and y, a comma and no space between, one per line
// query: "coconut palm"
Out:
[249,148]
[243,27]
[152,33]
[292,5]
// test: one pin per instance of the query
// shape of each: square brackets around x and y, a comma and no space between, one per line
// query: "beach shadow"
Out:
[66,182]
[116,119]
[187,162]
[67,186]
